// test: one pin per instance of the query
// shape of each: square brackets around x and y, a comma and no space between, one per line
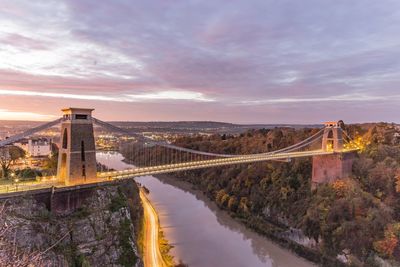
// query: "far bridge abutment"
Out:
[332,167]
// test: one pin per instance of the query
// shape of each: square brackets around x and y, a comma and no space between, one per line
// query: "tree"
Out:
[398,181]
[8,156]
[348,216]
[243,205]
[5,161]
[222,198]
[311,224]
[386,246]
[51,164]
[232,203]
[381,178]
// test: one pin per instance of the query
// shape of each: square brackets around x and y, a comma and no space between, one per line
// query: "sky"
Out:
[266,61]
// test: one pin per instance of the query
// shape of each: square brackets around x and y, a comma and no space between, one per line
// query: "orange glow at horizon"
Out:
[6,114]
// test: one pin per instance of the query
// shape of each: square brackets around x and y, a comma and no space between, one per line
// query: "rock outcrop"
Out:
[101,232]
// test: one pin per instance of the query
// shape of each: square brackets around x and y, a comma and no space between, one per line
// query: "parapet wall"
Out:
[63,200]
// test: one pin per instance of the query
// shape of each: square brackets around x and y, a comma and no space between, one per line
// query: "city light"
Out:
[251,133]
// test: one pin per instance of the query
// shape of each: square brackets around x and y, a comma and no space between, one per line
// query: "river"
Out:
[202,234]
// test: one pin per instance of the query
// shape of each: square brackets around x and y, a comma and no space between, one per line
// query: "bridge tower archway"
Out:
[332,139]
[77,155]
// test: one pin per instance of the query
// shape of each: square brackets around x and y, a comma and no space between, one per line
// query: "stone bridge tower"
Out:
[329,168]
[77,154]
[333,137]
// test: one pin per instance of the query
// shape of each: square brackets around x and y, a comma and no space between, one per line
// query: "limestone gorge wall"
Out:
[101,231]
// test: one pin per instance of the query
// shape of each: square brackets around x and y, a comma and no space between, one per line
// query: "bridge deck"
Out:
[169,168]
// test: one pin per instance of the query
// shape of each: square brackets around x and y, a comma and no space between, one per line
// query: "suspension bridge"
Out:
[330,148]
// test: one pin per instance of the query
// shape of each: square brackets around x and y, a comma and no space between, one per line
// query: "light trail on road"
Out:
[152,255]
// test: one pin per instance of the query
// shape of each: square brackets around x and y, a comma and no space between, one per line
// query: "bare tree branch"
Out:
[10,254]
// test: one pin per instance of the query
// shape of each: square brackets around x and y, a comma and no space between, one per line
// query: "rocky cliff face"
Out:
[101,232]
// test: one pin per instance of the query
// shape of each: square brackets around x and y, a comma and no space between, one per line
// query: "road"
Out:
[152,255]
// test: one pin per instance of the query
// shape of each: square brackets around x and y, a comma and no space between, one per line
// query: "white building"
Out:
[36,147]
[40,147]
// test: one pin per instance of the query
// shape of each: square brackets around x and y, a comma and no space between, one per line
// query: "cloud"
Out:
[23,115]
[246,55]
[339,98]
[156,96]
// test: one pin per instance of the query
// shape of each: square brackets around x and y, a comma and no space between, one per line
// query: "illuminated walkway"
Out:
[168,168]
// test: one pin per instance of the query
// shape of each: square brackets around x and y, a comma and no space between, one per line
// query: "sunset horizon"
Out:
[200,133]
[258,62]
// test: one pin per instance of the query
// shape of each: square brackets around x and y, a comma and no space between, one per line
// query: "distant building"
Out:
[40,147]
[36,147]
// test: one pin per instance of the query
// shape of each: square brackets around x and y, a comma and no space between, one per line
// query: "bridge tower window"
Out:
[83,151]
[81,117]
[65,139]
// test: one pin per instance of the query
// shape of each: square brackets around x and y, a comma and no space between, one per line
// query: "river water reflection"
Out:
[203,235]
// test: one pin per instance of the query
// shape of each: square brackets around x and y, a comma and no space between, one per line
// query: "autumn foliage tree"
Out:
[387,246]
[398,181]
[351,216]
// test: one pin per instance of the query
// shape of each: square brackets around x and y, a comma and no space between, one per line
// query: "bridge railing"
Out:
[27,186]
[52,181]
[138,171]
